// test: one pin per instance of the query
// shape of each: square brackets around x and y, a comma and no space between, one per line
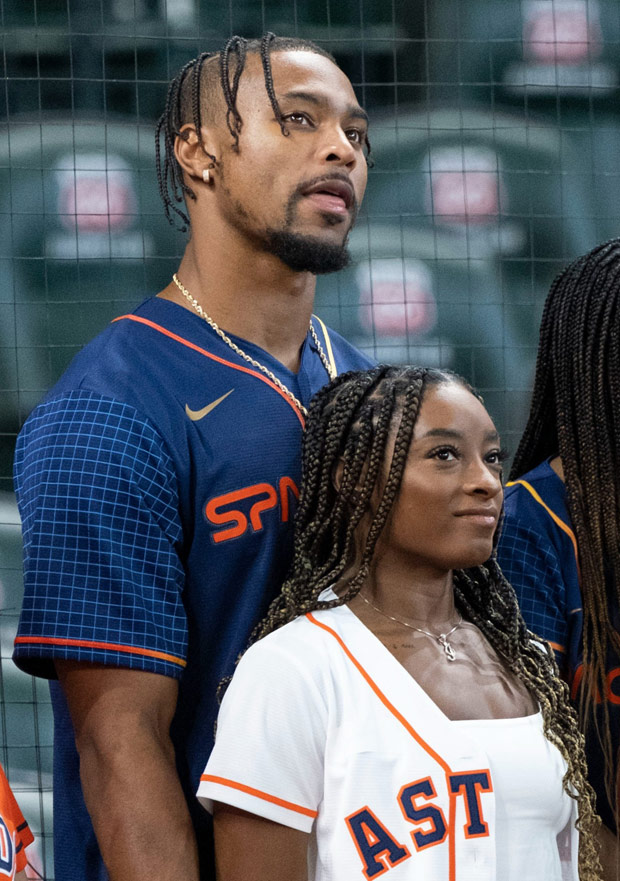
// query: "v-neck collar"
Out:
[399,687]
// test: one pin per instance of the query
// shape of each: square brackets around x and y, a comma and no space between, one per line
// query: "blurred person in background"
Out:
[15,835]
[156,481]
[397,714]
[560,542]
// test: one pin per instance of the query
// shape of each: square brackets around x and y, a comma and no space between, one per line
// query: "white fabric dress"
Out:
[323,730]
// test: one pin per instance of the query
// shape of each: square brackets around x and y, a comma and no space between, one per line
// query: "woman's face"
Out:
[450,497]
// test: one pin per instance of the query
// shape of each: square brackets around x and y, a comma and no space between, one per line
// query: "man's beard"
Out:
[301,253]
[307,253]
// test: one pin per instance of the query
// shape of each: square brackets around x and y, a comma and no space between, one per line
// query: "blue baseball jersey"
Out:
[538,554]
[157,485]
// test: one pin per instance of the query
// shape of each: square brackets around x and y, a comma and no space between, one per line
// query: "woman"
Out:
[393,723]
[560,543]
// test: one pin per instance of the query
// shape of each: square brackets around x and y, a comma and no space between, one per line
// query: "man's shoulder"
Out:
[143,359]
[536,494]
[537,529]
[154,320]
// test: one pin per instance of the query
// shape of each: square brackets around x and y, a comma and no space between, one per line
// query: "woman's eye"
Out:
[444,454]
[497,457]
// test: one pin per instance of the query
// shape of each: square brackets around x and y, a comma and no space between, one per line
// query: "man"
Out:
[156,481]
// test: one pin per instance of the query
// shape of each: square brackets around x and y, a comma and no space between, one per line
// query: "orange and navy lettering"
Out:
[377,848]
[473,783]
[15,835]
[287,484]
[612,689]
[455,781]
[423,813]
[7,863]
[265,497]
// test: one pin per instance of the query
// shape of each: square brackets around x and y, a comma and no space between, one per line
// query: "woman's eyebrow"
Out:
[443,432]
[490,437]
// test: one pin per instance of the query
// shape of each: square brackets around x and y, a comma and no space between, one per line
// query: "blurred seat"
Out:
[525,51]
[467,218]
[595,162]
[83,238]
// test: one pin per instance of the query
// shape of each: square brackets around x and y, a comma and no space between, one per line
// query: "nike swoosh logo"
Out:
[196,415]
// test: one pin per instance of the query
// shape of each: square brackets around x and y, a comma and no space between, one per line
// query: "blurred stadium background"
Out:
[496,137]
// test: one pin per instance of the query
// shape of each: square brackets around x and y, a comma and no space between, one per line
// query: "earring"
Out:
[206,175]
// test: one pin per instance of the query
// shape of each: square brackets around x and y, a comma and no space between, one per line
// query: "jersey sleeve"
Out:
[531,565]
[103,580]
[269,748]
[15,834]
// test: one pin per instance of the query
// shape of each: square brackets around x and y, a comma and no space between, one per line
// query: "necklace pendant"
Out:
[448,650]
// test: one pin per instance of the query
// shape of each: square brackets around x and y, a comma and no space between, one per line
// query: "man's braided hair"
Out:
[193,93]
[575,413]
[352,424]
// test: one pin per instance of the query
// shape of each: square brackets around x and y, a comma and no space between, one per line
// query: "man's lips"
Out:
[331,194]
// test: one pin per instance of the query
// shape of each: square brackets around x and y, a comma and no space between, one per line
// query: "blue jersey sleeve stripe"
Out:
[190,345]
[328,345]
[92,644]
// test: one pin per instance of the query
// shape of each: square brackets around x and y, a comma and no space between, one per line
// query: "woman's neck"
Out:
[424,598]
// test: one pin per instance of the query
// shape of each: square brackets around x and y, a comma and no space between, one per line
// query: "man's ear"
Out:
[194,157]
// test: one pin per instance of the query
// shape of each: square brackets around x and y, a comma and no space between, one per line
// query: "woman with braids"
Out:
[395,713]
[560,543]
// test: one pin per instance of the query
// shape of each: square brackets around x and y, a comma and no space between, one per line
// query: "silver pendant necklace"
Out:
[442,638]
[239,351]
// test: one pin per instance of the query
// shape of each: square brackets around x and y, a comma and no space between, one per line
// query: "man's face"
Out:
[297,196]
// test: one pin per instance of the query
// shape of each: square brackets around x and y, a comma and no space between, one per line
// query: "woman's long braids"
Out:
[194,91]
[353,424]
[575,413]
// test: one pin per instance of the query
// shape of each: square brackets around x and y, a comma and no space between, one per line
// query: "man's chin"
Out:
[304,253]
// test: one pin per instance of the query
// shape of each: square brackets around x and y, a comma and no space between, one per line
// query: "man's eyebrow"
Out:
[490,437]
[352,110]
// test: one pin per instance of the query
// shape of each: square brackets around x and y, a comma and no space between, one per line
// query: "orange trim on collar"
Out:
[184,342]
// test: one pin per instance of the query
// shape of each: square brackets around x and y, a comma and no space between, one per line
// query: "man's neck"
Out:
[255,297]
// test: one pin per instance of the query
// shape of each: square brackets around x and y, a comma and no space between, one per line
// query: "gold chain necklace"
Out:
[328,367]
[442,639]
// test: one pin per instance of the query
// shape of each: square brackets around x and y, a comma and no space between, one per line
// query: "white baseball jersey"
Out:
[323,730]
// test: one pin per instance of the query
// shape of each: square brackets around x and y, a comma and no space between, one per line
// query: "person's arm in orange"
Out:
[15,831]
